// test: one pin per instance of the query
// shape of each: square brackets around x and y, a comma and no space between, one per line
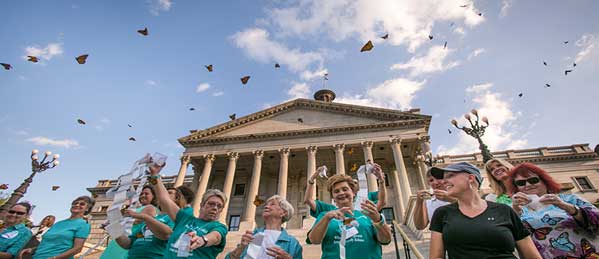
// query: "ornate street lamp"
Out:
[36,167]
[476,130]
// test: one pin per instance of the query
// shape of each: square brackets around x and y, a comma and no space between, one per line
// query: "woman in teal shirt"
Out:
[276,212]
[205,231]
[65,239]
[365,230]
[14,235]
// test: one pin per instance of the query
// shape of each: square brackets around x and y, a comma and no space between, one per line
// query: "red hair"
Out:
[527,169]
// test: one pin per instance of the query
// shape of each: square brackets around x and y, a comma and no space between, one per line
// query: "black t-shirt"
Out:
[492,234]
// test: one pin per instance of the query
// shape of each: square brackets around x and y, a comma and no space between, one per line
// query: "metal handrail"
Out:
[408,242]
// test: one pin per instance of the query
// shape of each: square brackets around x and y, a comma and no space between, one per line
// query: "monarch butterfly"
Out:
[367,47]
[6,66]
[33,59]
[354,167]
[81,59]
[80,121]
[209,67]
[143,32]
[245,79]
[3,186]
[386,36]
[132,139]
[232,116]
[350,151]
[258,201]
[55,187]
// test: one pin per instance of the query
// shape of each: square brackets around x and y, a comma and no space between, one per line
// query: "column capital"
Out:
[339,147]
[285,151]
[367,144]
[209,157]
[258,154]
[232,155]
[312,149]
[185,159]
[396,140]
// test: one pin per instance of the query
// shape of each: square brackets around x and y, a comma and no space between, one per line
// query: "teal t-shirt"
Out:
[14,238]
[285,241]
[143,242]
[61,236]
[324,207]
[363,245]
[186,223]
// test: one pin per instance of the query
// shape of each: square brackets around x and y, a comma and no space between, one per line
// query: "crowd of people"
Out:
[525,217]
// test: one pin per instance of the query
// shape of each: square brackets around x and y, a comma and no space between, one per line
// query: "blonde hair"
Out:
[285,205]
[213,192]
[340,178]
[497,186]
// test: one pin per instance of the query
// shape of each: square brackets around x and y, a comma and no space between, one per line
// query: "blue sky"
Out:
[151,82]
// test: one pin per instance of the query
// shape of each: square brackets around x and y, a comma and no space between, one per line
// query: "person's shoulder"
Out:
[500,207]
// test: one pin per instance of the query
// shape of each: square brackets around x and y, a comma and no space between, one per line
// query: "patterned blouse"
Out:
[557,235]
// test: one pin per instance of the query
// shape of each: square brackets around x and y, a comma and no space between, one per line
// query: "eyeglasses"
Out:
[532,180]
[20,213]
[214,205]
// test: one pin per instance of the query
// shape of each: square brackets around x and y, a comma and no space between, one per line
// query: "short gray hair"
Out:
[214,192]
[285,205]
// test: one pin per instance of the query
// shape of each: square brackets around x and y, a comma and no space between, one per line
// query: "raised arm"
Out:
[309,198]
[167,205]
[382,195]
[420,212]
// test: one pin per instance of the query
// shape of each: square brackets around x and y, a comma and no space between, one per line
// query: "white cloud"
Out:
[505,6]
[501,133]
[151,82]
[157,6]
[299,90]
[589,45]
[430,63]
[202,87]
[47,53]
[44,141]
[219,93]
[309,75]
[257,45]
[104,122]
[459,30]
[408,22]
[475,53]
[397,93]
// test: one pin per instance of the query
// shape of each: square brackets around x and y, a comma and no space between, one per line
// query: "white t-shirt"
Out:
[432,205]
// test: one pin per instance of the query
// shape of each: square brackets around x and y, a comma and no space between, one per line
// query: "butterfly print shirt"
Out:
[556,234]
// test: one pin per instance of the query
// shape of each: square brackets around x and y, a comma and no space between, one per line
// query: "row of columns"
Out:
[400,177]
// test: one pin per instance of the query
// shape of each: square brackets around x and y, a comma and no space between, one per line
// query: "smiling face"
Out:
[79,207]
[273,210]
[146,196]
[538,188]
[212,208]
[343,194]
[436,184]
[498,171]
[16,215]
[457,183]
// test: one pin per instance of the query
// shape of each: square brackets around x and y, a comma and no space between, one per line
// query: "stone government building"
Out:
[275,150]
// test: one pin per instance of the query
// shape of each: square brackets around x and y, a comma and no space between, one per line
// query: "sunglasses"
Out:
[20,213]
[532,180]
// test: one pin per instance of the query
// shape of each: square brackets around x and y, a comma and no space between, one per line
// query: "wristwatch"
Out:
[205,241]
[154,179]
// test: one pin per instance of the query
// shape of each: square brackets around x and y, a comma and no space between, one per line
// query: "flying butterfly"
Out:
[367,47]
[566,42]
[129,125]
[386,36]
[544,63]
[350,151]
[82,59]
[209,67]
[300,120]
[547,85]
[143,32]
[480,14]
[277,65]
[258,201]
[33,59]
[232,116]
[354,167]
[55,187]
[192,109]
[445,45]
[520,95]
[6,66]
[448,130]
[3,186]
[464,6]
[430,37]
[132,139]
[80,121]
[567,71]
[574,65]
[245,79]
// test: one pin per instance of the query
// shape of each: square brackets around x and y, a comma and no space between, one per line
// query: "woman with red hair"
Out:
[562,225]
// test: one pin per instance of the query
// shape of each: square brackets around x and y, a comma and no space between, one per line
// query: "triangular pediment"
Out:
[303,115]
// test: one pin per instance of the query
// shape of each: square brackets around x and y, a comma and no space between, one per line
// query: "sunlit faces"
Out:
[343,194]
[530,187]
[146,196]
[212,208]
[436,184]
[273,209]
[79,207]
[457,182]
[16,214]
[498,171]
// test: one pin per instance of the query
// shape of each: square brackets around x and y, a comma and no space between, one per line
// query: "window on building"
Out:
[389,215]
[234,222]
[584,184]
[103,208]
[239,189]
[387,180]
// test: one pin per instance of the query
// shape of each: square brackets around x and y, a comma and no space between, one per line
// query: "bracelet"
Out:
[311,181]
[577,210]
[154,179]
[205,241]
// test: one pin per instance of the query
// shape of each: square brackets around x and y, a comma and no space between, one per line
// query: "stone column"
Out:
[203,183]
[311,164]
[248,219]
[398,196]
[367,148]
[421,172]
[283,168]
[228,186]
[400,165]
[182,171]
[339,161]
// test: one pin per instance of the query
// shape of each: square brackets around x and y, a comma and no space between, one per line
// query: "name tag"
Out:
[351,232]
[10,235]
[148,233]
